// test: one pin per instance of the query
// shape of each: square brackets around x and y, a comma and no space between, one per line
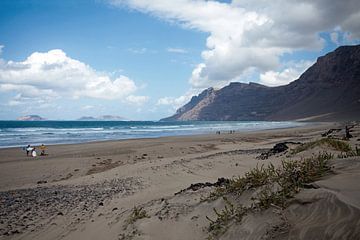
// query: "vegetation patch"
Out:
[352,153]
[136,214]
[275,185]
[333,143]
[229,214]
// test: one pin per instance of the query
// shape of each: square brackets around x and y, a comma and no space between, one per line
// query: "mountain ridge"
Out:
[330,89]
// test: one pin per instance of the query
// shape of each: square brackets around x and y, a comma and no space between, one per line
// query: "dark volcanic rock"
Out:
[330,89]
[196,186]
[278,148]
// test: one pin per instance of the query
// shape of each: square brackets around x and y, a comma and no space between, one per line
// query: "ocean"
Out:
[21,133]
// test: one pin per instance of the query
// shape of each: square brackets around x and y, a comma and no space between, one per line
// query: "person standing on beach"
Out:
[28,150]
[33,152]
[42,149]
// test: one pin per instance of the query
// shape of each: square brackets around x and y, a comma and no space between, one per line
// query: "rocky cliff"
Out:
[328,90]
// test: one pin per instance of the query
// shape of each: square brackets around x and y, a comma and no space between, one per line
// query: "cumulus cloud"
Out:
[176,102]
[51,75]
[252,34]
[172,101]
[290,73]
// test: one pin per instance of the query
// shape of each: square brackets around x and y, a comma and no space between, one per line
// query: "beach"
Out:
[139,188]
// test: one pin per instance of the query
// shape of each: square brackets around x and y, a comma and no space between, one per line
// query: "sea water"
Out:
[21,133]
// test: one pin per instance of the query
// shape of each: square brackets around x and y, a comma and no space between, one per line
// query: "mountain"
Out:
[102,118]
[328,90]
[30,118]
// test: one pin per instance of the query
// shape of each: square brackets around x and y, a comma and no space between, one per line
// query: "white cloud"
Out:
[142,50]
[138,50]
[287,75]
[137,100]
[50,75]
[174,102]
[176,50]
[12,103]
[248,34]
[88,107]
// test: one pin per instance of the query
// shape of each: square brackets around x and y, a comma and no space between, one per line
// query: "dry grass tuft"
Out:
[333,143]
[136,214]
[276,186]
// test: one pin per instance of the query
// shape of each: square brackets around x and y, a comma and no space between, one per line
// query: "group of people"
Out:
[230,132]
[31,151]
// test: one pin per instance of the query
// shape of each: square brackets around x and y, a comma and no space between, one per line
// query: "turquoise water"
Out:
[20,133]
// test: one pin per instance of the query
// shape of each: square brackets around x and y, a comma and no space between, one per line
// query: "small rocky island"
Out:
[102,118]
[31,118]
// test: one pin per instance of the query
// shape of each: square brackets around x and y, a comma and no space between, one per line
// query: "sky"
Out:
[143,59]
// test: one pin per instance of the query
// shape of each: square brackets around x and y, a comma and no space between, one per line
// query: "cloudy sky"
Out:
[141,59]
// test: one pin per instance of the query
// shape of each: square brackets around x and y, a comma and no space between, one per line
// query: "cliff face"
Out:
[197,104]
[330,89]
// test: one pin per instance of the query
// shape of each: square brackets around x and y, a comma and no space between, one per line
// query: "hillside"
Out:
[328,90]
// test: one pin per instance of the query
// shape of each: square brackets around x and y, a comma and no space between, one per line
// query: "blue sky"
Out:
[143,59]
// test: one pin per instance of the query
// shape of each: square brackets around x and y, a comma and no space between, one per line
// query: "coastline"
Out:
[88,190]
[76,155]
[22,133]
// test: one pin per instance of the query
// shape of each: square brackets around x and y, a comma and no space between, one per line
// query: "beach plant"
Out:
[274,185]
[337,145]
[352,153]
[298,173]
[267,197]
[259,176]
[256,177]
[229,214]
[129,236]
[136,214]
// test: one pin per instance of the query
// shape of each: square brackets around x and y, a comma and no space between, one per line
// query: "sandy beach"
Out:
[142,189]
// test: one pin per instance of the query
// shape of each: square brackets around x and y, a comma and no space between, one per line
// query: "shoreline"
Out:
[175,133]
[205,134]
[125,151]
